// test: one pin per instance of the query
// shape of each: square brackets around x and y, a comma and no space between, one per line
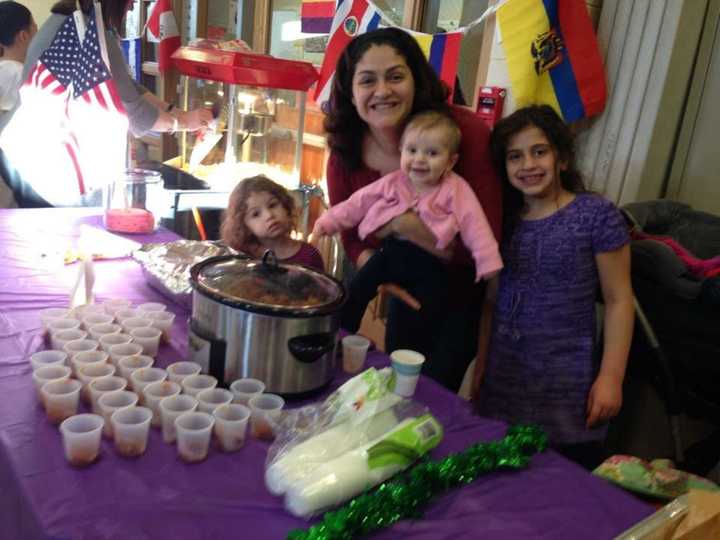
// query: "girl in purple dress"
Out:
[538,359]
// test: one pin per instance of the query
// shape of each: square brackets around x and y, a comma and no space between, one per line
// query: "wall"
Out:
[39,8]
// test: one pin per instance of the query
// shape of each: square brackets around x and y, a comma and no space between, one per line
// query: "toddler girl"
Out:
[560,243]
[260,216]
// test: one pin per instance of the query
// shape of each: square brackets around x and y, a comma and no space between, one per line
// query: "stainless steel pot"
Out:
[273,322]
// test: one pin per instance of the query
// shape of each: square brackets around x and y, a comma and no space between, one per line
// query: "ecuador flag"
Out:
[552,56]
[442,51]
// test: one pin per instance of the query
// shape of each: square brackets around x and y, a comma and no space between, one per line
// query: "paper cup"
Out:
[196,383]
[354,351]
[61,399]
[48,358]
[97,331]
[266,410]
[245,389]
[140,378]
[98,387]
[90,372]
[117,352]
[81,438]
[156,392]
[110,402]
[59,339]
[172,407]
[212,398]
[108,340]
[193,435]
[177,371]
[130,428]
[407,365]
[230,425]
[148,338]
[129,364]
[46,374]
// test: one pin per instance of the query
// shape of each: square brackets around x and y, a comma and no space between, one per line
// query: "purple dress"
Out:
[541,362]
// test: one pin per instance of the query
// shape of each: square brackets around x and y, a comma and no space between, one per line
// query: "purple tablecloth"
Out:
[159,496]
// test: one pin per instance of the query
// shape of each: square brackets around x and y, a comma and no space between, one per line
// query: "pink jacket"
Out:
[447,210]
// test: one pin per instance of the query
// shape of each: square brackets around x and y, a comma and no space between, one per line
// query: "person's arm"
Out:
[411,227]
[486,317]
[605,398]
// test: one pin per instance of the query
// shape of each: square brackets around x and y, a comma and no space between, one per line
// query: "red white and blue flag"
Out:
[162,28]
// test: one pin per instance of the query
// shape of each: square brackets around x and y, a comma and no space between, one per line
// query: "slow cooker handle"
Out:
[310,348]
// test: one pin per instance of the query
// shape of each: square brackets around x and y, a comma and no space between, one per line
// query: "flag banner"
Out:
[442,51]
[132,52]
[162,28]
[316,16]
[552,56]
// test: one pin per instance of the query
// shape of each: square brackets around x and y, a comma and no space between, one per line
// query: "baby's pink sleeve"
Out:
[350,212]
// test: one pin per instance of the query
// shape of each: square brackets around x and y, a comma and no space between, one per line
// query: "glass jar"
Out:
[134,203]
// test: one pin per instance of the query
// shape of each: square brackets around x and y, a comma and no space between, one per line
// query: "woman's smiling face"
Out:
[383,88]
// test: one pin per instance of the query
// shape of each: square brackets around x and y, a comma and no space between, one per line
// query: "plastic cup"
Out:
[354,352]
[96,318]
[245,389]
[89,372]
[130,428]
[154,393]
[126,313]
[98,387]
[196,383]
[128,364]
[230,425]
[80,312]
[58,325]
[193,435]
[108,340]
[407,365]
[51,314]
[110,402]
[61,399]
[46,374]
[140,378]
[147,337]
[163,321]
[212,398]
[104,329]
[87,357]
[81,438]
[147,307]
[113,305]
[266,410]
[134,322]
[172,407]
[48,358]
[122,350]
[59,339]
[177,371]
[73,348]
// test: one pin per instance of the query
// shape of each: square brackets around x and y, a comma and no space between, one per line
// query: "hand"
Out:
[364,257]
[197,119]
[604,400]
[398,292]
[318,234]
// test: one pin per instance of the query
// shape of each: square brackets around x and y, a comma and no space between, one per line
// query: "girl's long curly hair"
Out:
[233,230]
[344,127]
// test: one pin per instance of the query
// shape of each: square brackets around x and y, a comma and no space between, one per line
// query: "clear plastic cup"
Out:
[110,402]
[193,435]
[172,407]
[61,399]
[108,340]
[58,325]
[135,322]
[230,425]
[245,389]
[211,398]
[126,313]
[96,318]
[73,348]
[97,331]
[81,438]
[128,364]
[354,352]
[147,337]
[98,387]
[122,350]
[266,410]
[85,358]
[51,314]
[46,374]
[156,392]
[91,372]
[193,384]
[407,365]
[59,339]
[113,305]
[140,378]
[80,312]
[163,321]
[130,428]
[177,371]
[48,358]
[147,307]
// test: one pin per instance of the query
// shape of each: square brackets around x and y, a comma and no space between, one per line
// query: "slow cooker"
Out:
[258,318]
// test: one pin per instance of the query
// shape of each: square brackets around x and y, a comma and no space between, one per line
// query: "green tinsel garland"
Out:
[408,496]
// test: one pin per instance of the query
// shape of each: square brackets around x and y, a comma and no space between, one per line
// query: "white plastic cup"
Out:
[122,350]
[50,314]
[48,358]
[194,384]
[266,410]
[85,358]
[73,348]
[98,387]
[81,438]
[231,422]
[80,312]
[245,389]
[128,364]
[108,340]
[130,428]
[407,366]
[49,373]
[90,372]
[61,399]
[96,318]
[140,378]
[172,407]
[59,339]
[177,371]
[125,313]
[148,338]
[58,325]
[354,352]
[211,398]
[135,322]
[110,402]
[163,321]
[97,331]
[148,307]
[154,393]
[115,304]
[193,435]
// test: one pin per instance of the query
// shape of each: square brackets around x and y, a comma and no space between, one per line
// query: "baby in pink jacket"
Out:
[444,202]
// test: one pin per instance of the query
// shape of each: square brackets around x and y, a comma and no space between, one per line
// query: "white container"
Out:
[59,339]
[109,340]
[81,438]
[212,398]
[245,389]
[73,348]
[193,435]
[130,428]
[266,410]
[98,331]
[156,392]
[407,365]
[96,318]
[58,325]
[46,374]
[51,314]
[48,358]
[126,313]
[148,338]
[98,387]
[135,322]
[354,352]
[231,422]
[172,407]
[117,352]
[194,384]
[114,305]
[163,321]
[110,402]
[85,358]
[91,372]
[151,306]
[140,378]
[128,364]
[177,371]
[61,399]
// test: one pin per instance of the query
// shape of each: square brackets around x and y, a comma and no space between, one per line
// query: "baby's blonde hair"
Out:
[435,120]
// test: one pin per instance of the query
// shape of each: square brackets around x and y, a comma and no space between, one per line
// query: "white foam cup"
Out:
[156,392]
[211,398]
[407,365]
[48,358]
[130,428]
[177,371]
[61,399]
[81,438]
[103,385]
[148,338]
[230,426]
[193,435]
[110,402]
[196,383]
[172,407]
[354,352]
[266,410]
[245,389]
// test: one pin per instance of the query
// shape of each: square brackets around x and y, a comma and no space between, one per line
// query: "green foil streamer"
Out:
[408,496]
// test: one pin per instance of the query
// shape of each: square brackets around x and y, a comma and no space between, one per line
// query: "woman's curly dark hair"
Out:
[558,134]
[113,10]
[233,230]
[344,127]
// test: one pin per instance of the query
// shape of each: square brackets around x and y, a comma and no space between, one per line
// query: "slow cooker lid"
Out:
[267,283]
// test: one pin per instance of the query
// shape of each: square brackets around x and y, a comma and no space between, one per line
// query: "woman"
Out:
[145,112]
[381,79]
